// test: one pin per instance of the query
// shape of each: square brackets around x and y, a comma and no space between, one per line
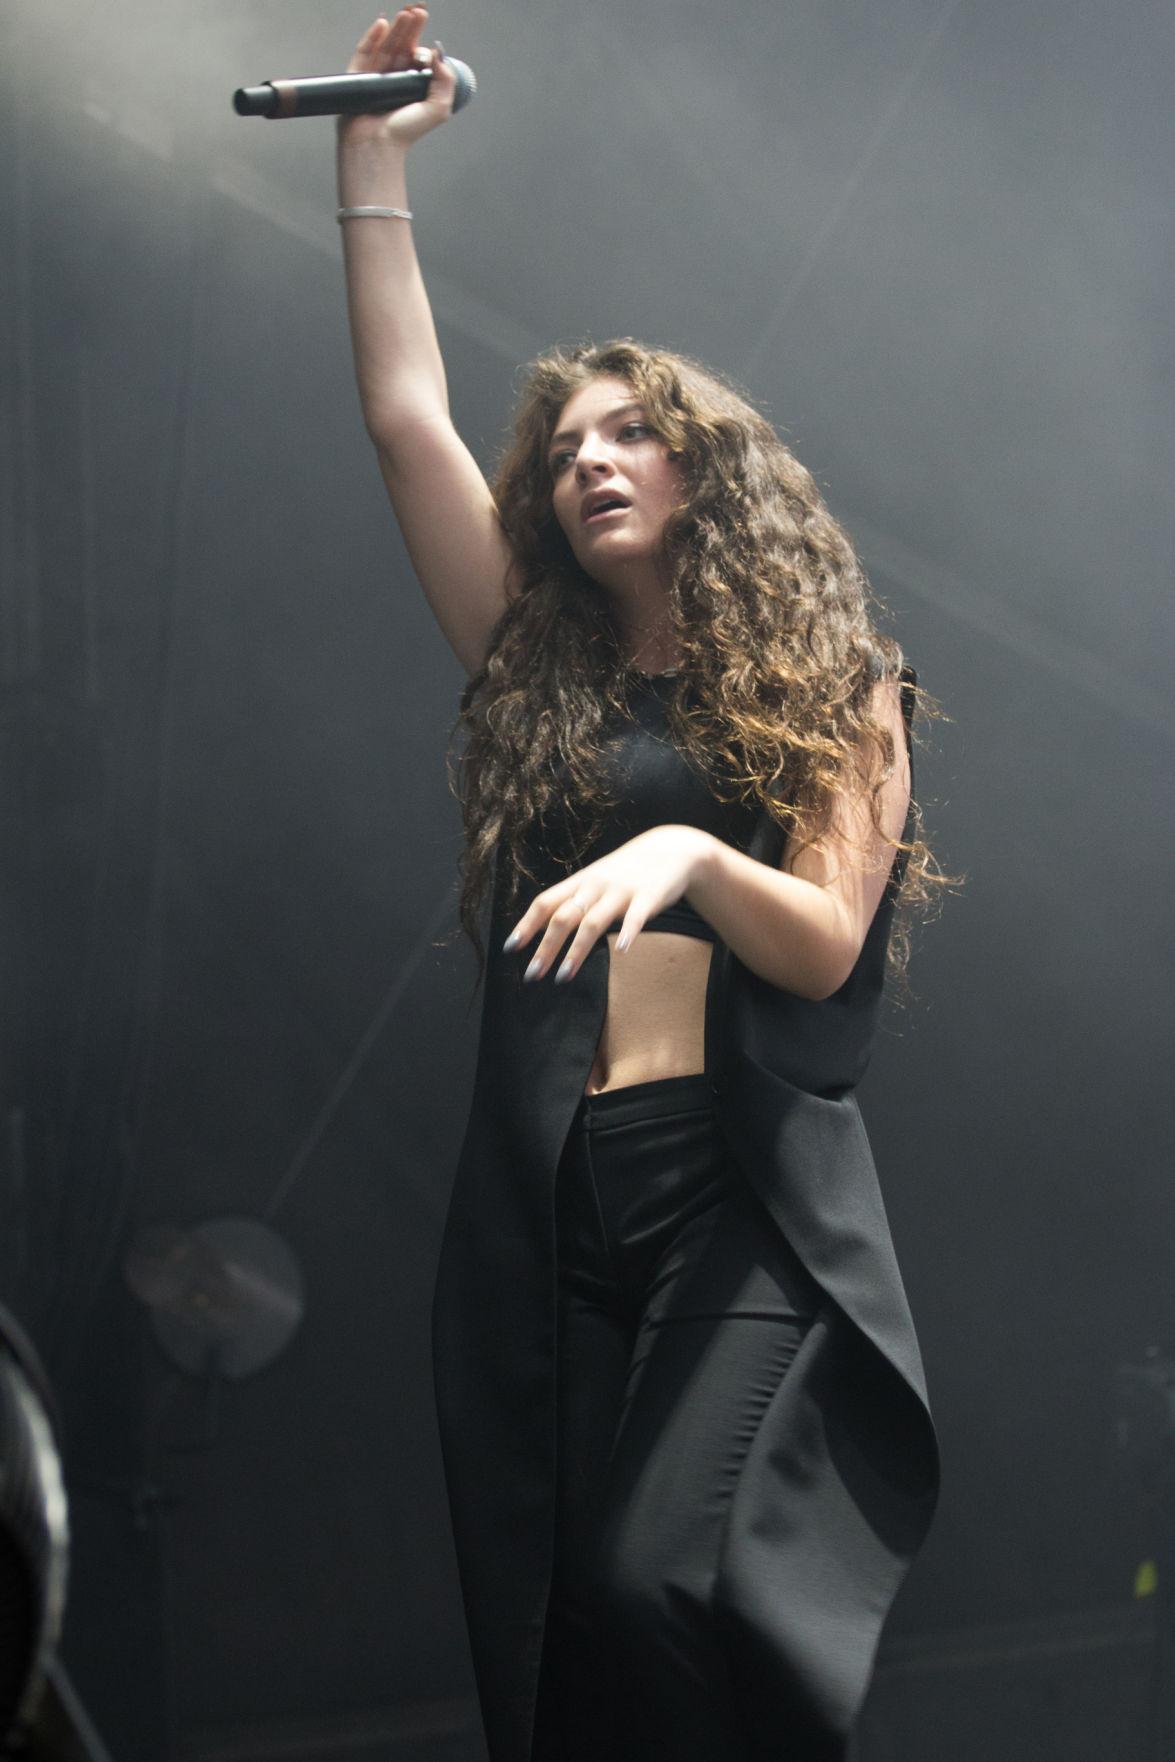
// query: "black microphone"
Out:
[348,94]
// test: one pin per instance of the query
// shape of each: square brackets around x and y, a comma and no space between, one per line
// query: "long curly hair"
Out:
[768,605]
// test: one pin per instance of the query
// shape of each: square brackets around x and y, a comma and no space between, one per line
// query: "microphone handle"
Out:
[344,94]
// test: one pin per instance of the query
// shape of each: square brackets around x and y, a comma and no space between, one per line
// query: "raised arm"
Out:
[441,499]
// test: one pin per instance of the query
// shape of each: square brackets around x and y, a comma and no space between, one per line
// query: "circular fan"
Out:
[225,1296]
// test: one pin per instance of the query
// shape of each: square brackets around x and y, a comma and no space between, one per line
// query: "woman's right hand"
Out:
[393,47]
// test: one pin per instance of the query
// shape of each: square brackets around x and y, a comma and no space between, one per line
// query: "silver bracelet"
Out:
[373,213]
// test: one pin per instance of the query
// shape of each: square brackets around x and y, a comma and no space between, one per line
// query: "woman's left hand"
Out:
[633,883]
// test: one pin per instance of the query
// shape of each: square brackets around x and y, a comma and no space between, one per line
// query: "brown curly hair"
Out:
[770,609]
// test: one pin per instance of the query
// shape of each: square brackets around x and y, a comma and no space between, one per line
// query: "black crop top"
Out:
[652,784]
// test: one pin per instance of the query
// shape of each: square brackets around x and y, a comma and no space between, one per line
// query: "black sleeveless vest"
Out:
[839,1496]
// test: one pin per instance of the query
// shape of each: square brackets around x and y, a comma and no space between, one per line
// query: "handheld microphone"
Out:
[348,94]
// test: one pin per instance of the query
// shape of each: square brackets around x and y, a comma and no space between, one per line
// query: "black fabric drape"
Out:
[838,1493]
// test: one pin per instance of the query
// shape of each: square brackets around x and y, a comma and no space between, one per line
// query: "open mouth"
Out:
[613,505]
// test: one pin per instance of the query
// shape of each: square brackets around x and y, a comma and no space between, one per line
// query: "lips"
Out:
[601,502]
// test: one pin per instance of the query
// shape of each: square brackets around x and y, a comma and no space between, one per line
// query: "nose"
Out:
[592,458]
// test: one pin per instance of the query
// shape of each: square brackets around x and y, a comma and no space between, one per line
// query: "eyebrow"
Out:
[573,433]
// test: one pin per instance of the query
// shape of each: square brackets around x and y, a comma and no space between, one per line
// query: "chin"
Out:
[621,550]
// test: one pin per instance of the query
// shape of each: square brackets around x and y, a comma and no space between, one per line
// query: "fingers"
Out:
[367,49]
[393,46]
[444,81]
[593,924]
[403,39]
[390,45]
[635,919]
[576,914]
[629,886]
[585,924]
[537,914]
[559,912]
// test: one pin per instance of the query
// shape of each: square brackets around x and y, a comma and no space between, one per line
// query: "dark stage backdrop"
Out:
[933,240]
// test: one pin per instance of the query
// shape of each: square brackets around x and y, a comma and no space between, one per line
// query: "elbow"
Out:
[813,990]
[391,450]
[386,436]
[379,431]
[823,977]
[819,993]
[403,433]
[832,953]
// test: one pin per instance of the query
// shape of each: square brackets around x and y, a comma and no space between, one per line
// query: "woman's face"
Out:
[614,484]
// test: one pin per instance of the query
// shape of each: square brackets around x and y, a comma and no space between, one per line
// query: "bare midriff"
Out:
[655,1022]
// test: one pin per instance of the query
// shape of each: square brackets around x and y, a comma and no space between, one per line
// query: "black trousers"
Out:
[680,1308]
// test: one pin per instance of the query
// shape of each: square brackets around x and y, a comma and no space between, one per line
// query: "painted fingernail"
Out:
[566,971]
[511,942]
[622,941]
[534,969]
[440,50]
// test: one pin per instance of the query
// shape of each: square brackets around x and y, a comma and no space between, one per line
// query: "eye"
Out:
[637,429]
[559,462]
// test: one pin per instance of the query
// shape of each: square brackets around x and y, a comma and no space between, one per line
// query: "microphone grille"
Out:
[466,82]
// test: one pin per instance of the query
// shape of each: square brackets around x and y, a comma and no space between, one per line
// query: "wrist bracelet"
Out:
[373,214]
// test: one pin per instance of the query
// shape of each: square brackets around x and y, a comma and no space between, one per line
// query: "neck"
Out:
[655,652]
[646,627]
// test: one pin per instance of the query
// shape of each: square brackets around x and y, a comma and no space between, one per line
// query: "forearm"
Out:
[789,931]
[398,365]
